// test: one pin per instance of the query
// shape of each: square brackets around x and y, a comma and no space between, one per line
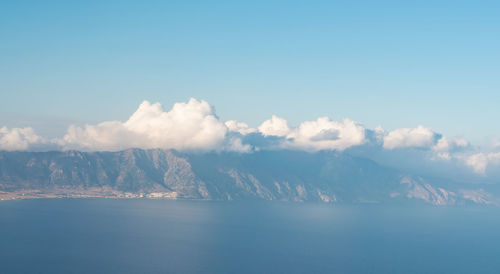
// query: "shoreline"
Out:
[105,193]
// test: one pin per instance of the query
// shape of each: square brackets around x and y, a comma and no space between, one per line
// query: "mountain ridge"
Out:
[286,175]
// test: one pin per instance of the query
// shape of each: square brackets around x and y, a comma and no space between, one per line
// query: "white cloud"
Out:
[112,135]
[419,137]
[321,134]
[194,126]
[235,144]
[326,134]
[480,161]
[187,126]
[241,128]
[496,143]
[424,138]
[18,138]
[445,146]
[275,126]
[443,156]
[379,133]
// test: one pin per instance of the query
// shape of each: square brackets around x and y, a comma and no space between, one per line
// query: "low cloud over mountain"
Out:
[193,126]
[187,126]
[18,138]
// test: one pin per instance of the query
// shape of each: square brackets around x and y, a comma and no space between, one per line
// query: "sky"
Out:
[397,64]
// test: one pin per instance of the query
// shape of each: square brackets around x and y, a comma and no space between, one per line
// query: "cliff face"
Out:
[131,170]
[268,175]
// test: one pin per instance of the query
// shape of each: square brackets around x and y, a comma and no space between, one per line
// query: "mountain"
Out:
[267,175]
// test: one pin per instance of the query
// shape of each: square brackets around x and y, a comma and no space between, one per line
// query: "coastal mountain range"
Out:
[285,175]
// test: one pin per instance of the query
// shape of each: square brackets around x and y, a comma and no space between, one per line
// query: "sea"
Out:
[182,236]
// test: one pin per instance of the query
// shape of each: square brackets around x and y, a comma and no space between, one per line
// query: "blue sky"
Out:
[390,63]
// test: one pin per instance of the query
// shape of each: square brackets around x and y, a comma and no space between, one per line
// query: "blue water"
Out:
[158,236]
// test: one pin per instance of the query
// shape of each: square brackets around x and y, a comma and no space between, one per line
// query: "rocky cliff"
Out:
[268,175]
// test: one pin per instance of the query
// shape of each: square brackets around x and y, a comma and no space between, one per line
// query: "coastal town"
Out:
[84,193]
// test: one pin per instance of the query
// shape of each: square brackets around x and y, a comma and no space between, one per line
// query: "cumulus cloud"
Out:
[320,134]
[325,134]
[194,126]
[496,143]
[187,126]
[444,146]
[419,137]
[236,145]
[18,138]
[379,133]
[241,128]
[480,161]
[447,144]
[423,138]
[275,126]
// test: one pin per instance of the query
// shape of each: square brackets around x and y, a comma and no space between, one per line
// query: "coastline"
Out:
[105,193]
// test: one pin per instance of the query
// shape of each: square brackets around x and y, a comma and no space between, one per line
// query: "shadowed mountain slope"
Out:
[269,175]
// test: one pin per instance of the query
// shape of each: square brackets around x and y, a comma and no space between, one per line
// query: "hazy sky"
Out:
[389,63]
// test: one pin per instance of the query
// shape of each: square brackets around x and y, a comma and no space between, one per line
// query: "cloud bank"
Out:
[324,134]
[275,126]
[194,126]
[419,137]
[480,161]
[241,128]
[187,126]
[18,138]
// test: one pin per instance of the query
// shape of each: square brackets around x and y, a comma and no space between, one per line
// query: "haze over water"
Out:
[162,236]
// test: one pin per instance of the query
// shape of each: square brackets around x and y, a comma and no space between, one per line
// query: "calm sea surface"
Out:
[158,236]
